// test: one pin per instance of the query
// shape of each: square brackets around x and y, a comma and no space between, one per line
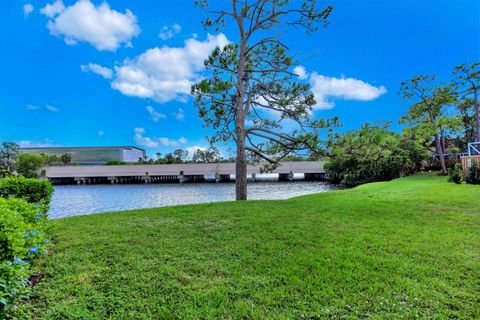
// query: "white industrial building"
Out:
[92,155]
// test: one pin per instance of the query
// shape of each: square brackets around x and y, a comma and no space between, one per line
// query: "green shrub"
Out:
[4,172]
[455,174]
[371,154]
[22,239]
[32,190]
[473,174]
[115,163]
[28,165]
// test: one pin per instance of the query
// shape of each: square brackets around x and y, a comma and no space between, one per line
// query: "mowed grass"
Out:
[401,249]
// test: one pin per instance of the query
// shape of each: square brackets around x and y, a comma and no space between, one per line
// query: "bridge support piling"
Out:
[285,176]
[222,178]
[199,178]
[314,176]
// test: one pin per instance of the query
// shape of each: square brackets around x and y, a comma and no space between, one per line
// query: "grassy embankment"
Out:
[400,249]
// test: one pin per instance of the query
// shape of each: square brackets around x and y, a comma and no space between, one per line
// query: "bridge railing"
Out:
[474,149]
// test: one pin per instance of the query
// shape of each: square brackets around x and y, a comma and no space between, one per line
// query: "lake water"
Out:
[70,201]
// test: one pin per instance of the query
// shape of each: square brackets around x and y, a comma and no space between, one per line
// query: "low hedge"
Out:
[23,237]
[32,190]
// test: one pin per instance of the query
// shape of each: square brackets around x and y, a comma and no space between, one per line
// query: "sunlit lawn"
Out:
[401,249]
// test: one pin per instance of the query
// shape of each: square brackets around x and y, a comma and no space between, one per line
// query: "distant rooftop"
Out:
[92,155]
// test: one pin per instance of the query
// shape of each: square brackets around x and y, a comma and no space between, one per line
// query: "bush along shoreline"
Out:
[372,154]
[24,204]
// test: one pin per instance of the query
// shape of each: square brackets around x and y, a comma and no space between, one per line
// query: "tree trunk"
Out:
[442,133]
[241,161]
[441,156]
[477,116]
[241,167]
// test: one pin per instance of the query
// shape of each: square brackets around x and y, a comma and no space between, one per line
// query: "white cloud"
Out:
[301,72]
[165,74]
[32,107]
[27,9]
[172,143]
[249,123]
[48,107]
[51,108]
[36,144]
[269,113]
[325,88]
[180,114]
[191,150]
[169,32]
[98,69]
[155,115]
[102,27]
[51,10]
[142,140]
[155,143]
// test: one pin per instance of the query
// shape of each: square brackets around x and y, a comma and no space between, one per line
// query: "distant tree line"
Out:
[204,155]
[207,155]
[26,164]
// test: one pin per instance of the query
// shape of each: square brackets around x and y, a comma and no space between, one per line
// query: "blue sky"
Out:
[72,83]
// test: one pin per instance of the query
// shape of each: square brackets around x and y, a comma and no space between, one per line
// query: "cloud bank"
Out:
[155,143]
[167,73]
[100,26]
[326,89]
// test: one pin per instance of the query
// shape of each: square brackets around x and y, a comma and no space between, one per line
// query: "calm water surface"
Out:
[70,201]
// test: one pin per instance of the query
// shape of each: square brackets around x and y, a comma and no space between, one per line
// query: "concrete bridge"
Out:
[171,173]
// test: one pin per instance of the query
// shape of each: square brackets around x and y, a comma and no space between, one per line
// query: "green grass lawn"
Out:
[402,249]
